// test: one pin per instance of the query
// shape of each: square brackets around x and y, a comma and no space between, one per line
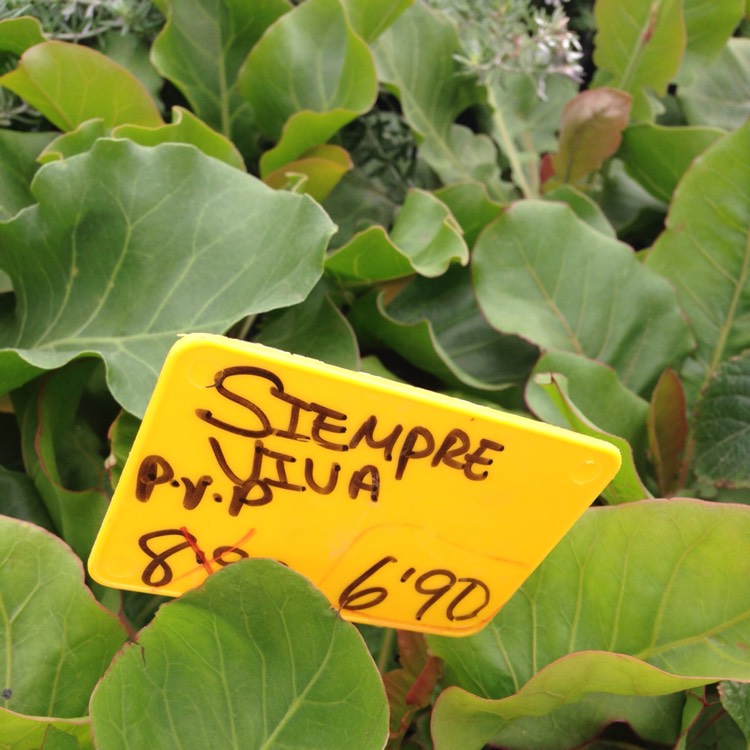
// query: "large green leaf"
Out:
[435,325]
[62,456]
[542,273]
[50,75]
[472,207]
[708,25]
[255,658]
[314,328]
[19,732]
[56,640]
[719,94]
[135,245]
[425,238]
[639,47]
[722,426]
[605,613]
[19,499]
[18,152]
[370,19]
[306,78]
[415,59]
[705,252]
[657,156]
[201,50]
[735,697]
[19,34]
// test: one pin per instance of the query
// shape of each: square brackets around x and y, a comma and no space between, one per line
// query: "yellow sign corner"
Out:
[407,508]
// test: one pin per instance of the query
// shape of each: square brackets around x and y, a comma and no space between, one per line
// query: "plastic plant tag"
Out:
[407,508]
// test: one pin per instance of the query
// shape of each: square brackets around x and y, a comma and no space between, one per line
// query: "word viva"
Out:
[390,449]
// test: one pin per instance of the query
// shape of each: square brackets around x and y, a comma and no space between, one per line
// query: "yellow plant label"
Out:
[407,508]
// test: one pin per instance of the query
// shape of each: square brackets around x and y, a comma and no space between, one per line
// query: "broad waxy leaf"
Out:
[667,431]
[20,499]
[314,328]
[18,152]
[590,620]
[626,487]
[254,658]
[705,252]
[54,739]
[590,132]
[18,34]
[19,732]
[709,25]
[722,426]
[541,273]
[49,77]
[639,46]
[77,141]
[425,238]
[658,156]
[57,454]
[435,325]
[584,208]
[306,78]
[370,19]
[201,49]
[719,94]
[228,246]
[322,168]
[415,60]
[735,697]
[472,207]
[56,640]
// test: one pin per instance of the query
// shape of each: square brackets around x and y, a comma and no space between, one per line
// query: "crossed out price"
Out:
[465,597]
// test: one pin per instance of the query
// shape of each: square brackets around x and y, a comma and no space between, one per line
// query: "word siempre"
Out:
[307,422]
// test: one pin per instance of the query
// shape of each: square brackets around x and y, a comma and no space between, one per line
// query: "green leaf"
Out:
[371,19]
[306,78]
[719,94]
[18,153]
[49,77]
[735,697]
[667,431]
[132,52]
[77,141]
[21,500]
[201,50]
[589,296]
[314,328]
[56,640]
[254,658]
[435,325]
[709,26]
[18,34]
[58,455]
[121,435]
[471,206]
[583,207]
[425,238]
[722,426]
[321,168]
[639,47]
[658,156]
[415,60]
[705,253]
[94,228]
[590,132]
[185,128]
[18,732]
[55,739]
[604,614]
[626,487]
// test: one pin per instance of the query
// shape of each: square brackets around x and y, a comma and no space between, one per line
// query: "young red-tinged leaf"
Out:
[590,132]
[410,688]
[667,431]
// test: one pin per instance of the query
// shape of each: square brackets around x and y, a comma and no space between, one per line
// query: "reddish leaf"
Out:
[667,431]
[590,132]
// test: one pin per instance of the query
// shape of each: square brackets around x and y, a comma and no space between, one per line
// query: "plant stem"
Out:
[508,147]
[386,649]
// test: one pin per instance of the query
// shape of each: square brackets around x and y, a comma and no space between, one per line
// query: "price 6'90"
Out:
[464,598]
